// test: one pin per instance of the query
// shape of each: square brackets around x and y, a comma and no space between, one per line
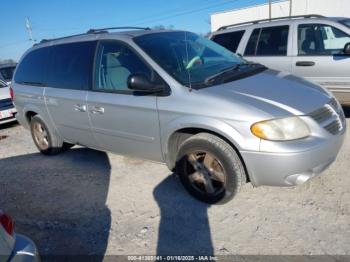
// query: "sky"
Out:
[56,18]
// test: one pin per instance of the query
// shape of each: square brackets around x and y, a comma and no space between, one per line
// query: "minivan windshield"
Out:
[189,58]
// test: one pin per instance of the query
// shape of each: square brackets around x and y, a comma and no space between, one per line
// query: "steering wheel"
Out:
[193,62]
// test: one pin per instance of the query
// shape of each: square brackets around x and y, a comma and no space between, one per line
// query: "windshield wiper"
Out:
[221,73]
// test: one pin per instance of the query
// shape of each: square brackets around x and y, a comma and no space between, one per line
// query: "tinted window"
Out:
[318,39]
[345,22]
[270,41]
[32,69]
[115,62]
[229,40]
[273,41]
[71,65]
[7,72]
[2,84]
[253,40]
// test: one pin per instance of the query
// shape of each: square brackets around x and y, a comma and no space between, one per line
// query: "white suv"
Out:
[313,46]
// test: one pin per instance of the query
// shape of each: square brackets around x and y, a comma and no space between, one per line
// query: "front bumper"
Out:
[24,250]
[294,168]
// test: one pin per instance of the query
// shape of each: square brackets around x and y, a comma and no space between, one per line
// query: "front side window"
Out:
[229,40]
[187,57]
[268,41]
[320,39]
[115,62]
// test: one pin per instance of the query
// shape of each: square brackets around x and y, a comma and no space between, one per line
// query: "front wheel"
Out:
[209,168]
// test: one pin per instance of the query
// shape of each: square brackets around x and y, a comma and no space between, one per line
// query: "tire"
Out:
[210,169]
[47,142]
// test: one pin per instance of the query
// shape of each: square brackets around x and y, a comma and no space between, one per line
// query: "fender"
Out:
[214,125]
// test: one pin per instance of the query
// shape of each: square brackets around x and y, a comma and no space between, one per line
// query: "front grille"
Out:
[5,104]
[321,115]
[330,117]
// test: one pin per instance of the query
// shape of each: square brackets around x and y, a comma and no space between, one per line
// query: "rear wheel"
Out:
[45,140]
[210,168]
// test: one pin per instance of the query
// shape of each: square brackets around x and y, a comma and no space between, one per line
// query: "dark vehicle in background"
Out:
[6,72]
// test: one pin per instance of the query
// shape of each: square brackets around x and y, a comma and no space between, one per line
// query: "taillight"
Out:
[7,223]
[12,94]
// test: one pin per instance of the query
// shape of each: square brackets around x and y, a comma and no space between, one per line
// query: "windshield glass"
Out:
[345,22]
[189,58]
[7,72]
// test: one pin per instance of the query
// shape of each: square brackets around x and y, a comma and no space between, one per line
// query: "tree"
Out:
[163,27]
[5,61]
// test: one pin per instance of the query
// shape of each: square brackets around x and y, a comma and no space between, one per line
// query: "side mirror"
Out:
[141,83]
[346,50]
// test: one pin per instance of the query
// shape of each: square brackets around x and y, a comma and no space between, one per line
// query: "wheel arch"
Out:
[180,131]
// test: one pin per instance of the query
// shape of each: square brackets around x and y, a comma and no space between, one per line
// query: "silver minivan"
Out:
[180,99]
[314,47]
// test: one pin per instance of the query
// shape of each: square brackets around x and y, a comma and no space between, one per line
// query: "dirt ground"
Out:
[89,202]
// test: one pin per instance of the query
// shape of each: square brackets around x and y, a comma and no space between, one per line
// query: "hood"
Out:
[278,94]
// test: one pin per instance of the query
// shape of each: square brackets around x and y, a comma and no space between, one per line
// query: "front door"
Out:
[122,121]
[320,57]
[270,46]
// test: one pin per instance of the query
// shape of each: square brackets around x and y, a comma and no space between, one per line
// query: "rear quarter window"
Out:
[32,68]
[229,40]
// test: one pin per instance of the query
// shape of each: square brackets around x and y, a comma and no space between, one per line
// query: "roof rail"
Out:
[272,19]
[58,38]
[105,30]
[94,31]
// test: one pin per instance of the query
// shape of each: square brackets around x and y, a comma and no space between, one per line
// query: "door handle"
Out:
[97,110]
[305,63]
[80,108]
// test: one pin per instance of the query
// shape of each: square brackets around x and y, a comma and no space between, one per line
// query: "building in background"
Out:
[335,8]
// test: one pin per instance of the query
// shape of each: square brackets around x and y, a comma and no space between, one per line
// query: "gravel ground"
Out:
[89,202]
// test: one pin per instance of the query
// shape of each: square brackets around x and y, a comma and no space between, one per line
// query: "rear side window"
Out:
[268,41]
[70,65]
[229,40]
[32,69]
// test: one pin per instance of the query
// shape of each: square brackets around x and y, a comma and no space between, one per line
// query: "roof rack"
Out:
[58,38]
[94,31]
[272,19]
[105,30]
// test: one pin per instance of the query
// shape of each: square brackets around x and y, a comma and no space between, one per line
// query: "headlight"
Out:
[283,129]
